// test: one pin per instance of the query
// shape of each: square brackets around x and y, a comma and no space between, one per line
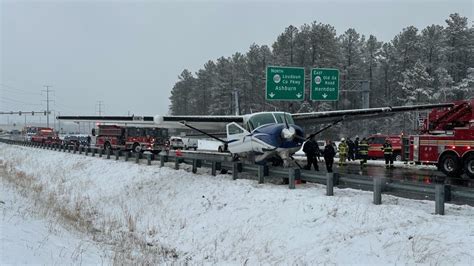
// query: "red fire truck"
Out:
[376,143]
[446,140]
[45,135]
[137,139]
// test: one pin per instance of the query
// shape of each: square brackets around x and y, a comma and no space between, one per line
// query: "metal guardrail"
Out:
[224,161]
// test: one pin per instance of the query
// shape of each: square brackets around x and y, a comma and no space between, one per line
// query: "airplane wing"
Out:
[128,120]
[358,114]
[205,122]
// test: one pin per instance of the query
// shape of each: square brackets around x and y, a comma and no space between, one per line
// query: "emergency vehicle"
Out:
[45,135]
[376,146]
[137,139]
[446,140]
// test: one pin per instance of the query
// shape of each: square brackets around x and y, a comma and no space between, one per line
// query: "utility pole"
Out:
[47,103]
[99,103]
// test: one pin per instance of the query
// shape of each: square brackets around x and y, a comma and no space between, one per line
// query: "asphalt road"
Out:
[400,172]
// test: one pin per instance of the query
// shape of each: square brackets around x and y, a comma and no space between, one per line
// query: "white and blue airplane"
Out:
[260,137]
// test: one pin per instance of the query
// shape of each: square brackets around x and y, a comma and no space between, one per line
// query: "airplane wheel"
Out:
[450,165]
[469,165]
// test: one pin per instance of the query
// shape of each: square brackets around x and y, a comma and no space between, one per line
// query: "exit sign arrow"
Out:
[271,94]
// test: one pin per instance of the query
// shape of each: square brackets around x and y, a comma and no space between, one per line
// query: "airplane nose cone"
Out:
[288,133]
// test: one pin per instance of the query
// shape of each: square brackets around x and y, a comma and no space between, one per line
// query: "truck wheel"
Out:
[106,146]
[137,148]
[449,164]
[398,157]
[469,165]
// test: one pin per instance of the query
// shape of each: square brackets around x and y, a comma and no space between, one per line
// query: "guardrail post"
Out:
[127,154]
[262,172]
[195,163]
[176,163]
[162,160]
[148,159]
[117,155]
[69,149]
[378,188]
[439,199]
[93,152]
[74,149]
[101,152]
[293,174]
[213,168]
[235,170]
[330,184]
[86,151]
[108,153]
[137,157]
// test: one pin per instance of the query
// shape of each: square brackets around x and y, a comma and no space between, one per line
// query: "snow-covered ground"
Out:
[151,214]
[27,237]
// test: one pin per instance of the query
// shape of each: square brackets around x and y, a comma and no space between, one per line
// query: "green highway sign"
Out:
[324,84]
[285,83]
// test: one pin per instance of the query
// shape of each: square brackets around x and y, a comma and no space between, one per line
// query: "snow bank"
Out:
[199,218]
[28,238]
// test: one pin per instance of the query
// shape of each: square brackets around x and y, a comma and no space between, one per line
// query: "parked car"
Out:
[176,143]
[190,143]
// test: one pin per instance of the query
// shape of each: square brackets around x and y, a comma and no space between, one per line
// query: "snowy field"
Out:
[123,212]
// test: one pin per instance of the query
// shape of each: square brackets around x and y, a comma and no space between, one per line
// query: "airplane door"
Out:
[239,137]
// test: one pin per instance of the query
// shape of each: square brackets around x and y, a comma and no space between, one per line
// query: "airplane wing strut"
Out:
[203,132]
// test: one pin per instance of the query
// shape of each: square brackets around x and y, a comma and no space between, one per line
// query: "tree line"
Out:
[433,65]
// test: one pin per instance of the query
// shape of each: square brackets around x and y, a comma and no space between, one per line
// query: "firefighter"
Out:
[388,154]
[312,152]
[363,151]
[343,149]
[356,147]
[329,154]
[351,145]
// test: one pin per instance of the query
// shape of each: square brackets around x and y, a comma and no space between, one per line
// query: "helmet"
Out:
[343,139]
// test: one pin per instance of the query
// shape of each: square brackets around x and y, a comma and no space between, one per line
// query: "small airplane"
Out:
[259,137]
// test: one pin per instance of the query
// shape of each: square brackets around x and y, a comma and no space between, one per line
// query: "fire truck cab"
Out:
[45,135]
[447,140]
[376,146]
[137,139]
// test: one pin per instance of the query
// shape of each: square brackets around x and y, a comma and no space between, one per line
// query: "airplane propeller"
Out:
[288,132]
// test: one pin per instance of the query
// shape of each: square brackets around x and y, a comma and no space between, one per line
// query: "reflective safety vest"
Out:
[363,147]
[343,148]
[387,149]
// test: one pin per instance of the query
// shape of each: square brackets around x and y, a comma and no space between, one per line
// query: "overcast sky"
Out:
[128,54]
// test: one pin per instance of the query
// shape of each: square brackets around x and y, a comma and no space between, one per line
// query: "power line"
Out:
[17,90]
[99,103]
[47,103]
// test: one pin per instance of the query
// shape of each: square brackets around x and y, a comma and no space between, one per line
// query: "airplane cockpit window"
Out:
[233,129]
[260,120]
[281,119]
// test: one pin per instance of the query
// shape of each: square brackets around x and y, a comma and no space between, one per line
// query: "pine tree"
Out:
[431,47]
[416,85]
[444,84]
[458,47]
[371,57]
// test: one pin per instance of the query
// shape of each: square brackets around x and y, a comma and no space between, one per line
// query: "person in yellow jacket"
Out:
[388,154]
[343,149]
[363,151]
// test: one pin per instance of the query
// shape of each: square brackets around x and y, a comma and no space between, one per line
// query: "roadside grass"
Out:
[52,198]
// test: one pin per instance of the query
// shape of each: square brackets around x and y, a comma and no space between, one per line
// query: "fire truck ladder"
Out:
[451,118]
